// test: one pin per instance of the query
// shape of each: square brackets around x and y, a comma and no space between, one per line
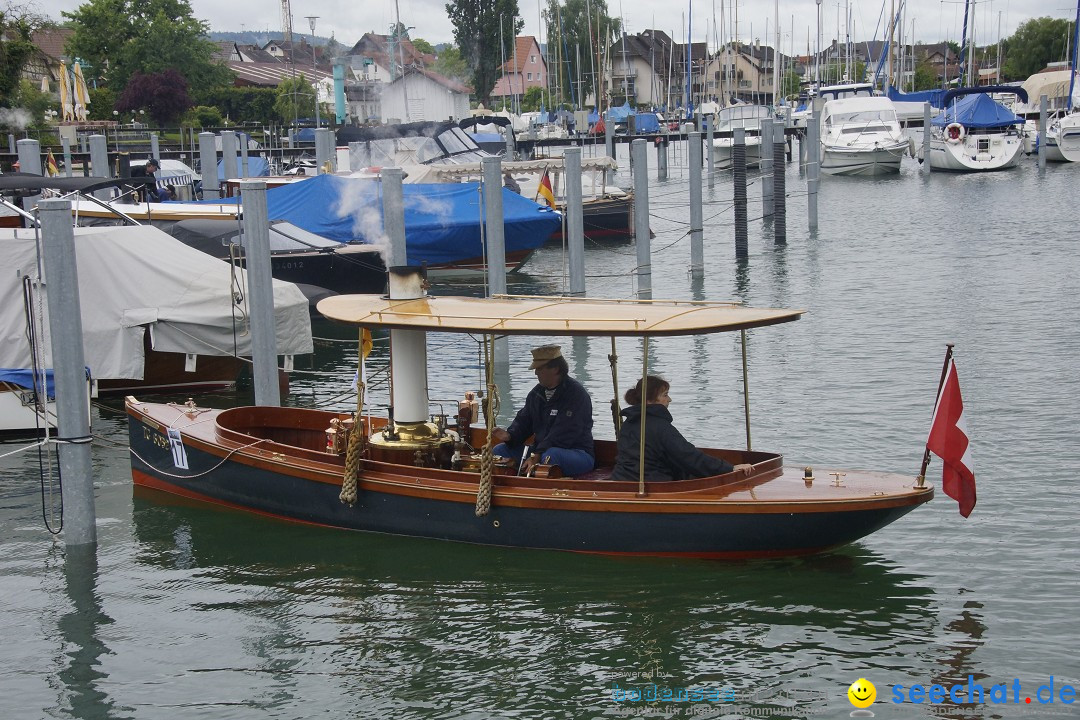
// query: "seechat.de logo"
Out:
[862,694]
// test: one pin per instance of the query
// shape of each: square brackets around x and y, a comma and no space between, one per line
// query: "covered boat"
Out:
[443,223]
[444,152]
[975,133]
[156,314]
[429,476]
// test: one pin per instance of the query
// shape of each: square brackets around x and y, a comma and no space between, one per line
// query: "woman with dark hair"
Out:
[668,455]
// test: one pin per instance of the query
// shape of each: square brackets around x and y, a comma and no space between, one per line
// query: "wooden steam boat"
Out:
[428,476]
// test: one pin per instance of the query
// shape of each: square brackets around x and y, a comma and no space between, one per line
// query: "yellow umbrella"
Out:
[82,96]
[68,111]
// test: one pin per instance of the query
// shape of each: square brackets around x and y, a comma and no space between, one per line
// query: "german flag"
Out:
[544,190]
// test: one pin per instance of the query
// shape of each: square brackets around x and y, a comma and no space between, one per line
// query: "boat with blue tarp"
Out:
[975,133]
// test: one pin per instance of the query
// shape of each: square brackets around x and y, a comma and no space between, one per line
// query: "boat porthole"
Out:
[495,523]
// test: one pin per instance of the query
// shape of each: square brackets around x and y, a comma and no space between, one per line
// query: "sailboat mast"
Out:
[971,49]
[689,60]
[817,58]
[776,56]
[1072,60]
[892,29]
[964,59]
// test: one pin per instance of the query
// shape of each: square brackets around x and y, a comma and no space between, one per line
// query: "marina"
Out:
[202,611]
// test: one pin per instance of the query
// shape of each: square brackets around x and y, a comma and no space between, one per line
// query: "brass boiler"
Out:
[423,444]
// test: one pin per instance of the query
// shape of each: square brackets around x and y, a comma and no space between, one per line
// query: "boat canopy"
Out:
[977,111]
[508,315]
[28,379]
[137,277]
[934,97]
[1055,86]
[15,182]
[441,219]
[256,167]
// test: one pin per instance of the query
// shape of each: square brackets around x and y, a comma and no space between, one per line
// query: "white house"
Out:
[430,96]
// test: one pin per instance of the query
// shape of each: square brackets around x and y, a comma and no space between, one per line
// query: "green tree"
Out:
[423,46]
[121,37]
[332,50]
[926,77]
[449,63]
[29,97]
[203,116]
[1034,45]
[532,99]
[17,25]
[244,104]
[102,103]
[573,26]
[477,32]
[295,99]
[790,84]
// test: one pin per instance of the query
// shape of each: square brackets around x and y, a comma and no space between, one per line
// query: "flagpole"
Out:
[921,479]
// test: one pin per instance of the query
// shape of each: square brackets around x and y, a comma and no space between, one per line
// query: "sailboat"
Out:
[1063,134]
[975,133]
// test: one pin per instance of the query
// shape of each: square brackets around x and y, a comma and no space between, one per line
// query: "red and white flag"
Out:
[949,441]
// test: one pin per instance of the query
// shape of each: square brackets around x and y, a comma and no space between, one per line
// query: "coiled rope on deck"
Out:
[483,494]
[355,451]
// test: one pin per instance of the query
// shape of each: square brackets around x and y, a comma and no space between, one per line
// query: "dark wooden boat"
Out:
[413,478]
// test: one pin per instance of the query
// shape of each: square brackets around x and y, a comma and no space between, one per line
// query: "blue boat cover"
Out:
[257,167]
[487,138]
[594,117]
[619,114]
[933,97]
[646,123]
[442,220]
[25,379]
[977,111]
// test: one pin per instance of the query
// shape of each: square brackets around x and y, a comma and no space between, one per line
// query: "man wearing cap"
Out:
[558,411]
[148,191]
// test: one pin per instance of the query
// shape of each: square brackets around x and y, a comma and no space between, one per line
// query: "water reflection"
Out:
[82,674]
[504,628]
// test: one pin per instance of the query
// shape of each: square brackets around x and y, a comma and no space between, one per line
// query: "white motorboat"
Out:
[818,96]
[974,133]
[1063,139]
[747,117]
[861,136]
[1063,135]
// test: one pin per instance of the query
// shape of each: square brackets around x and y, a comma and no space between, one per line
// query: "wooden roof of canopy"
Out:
[506,315]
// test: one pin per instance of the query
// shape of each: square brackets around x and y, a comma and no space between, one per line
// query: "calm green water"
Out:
[193,612]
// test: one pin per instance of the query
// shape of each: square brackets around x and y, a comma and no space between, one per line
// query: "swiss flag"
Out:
[949,441]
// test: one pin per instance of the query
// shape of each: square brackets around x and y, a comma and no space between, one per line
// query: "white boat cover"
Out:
[135,277]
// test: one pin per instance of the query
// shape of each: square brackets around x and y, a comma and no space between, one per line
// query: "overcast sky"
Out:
[350,19]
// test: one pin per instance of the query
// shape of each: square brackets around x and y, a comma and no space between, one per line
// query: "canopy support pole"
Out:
[644,405]
[613,360]
[746,388]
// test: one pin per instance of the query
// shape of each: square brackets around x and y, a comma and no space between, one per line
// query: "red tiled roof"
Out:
[51,41]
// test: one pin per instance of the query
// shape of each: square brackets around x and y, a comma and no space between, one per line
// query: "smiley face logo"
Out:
[862,693]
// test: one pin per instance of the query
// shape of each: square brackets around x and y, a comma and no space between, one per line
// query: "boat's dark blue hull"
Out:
[389,504]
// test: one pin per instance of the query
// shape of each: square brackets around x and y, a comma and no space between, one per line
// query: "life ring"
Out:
[955,132]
